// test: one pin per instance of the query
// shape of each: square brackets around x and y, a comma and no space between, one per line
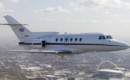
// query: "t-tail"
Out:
[20,31]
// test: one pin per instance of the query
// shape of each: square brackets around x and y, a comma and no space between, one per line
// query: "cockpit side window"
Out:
[102,37]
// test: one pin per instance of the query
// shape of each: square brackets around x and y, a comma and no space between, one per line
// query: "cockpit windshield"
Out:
[105,37]
[109,37]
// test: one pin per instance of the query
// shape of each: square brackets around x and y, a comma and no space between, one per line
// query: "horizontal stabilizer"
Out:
[13,24]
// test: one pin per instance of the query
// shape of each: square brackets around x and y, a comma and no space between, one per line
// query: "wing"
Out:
[42,51]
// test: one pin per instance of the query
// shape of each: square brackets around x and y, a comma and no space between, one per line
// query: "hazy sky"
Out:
[72,16]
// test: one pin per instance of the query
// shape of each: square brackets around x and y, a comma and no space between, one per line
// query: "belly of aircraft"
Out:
[76,48]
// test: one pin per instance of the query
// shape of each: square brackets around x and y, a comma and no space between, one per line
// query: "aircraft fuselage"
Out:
[76,43]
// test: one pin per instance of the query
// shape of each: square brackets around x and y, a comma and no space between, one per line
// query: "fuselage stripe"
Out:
[68,44]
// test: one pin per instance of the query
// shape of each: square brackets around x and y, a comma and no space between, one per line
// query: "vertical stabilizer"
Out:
[20,31]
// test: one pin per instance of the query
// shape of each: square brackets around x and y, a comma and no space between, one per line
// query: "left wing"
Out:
[43,51]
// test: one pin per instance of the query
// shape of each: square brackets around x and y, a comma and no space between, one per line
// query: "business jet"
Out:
[54,42]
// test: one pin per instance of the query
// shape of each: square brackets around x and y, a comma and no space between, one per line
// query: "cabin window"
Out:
[61,40]
[56,39]
[66,39]
[71,39]
[80,39]
[76,39]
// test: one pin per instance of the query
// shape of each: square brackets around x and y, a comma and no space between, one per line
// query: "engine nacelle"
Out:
[43,44]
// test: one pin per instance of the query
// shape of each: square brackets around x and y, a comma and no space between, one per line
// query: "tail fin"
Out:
[20,31]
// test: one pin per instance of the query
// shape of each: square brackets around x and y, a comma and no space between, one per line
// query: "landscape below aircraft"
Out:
[54,42]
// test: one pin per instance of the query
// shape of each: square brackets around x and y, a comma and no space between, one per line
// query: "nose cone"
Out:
[122,45]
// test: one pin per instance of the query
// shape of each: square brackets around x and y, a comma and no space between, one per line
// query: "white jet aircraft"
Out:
[54,42]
